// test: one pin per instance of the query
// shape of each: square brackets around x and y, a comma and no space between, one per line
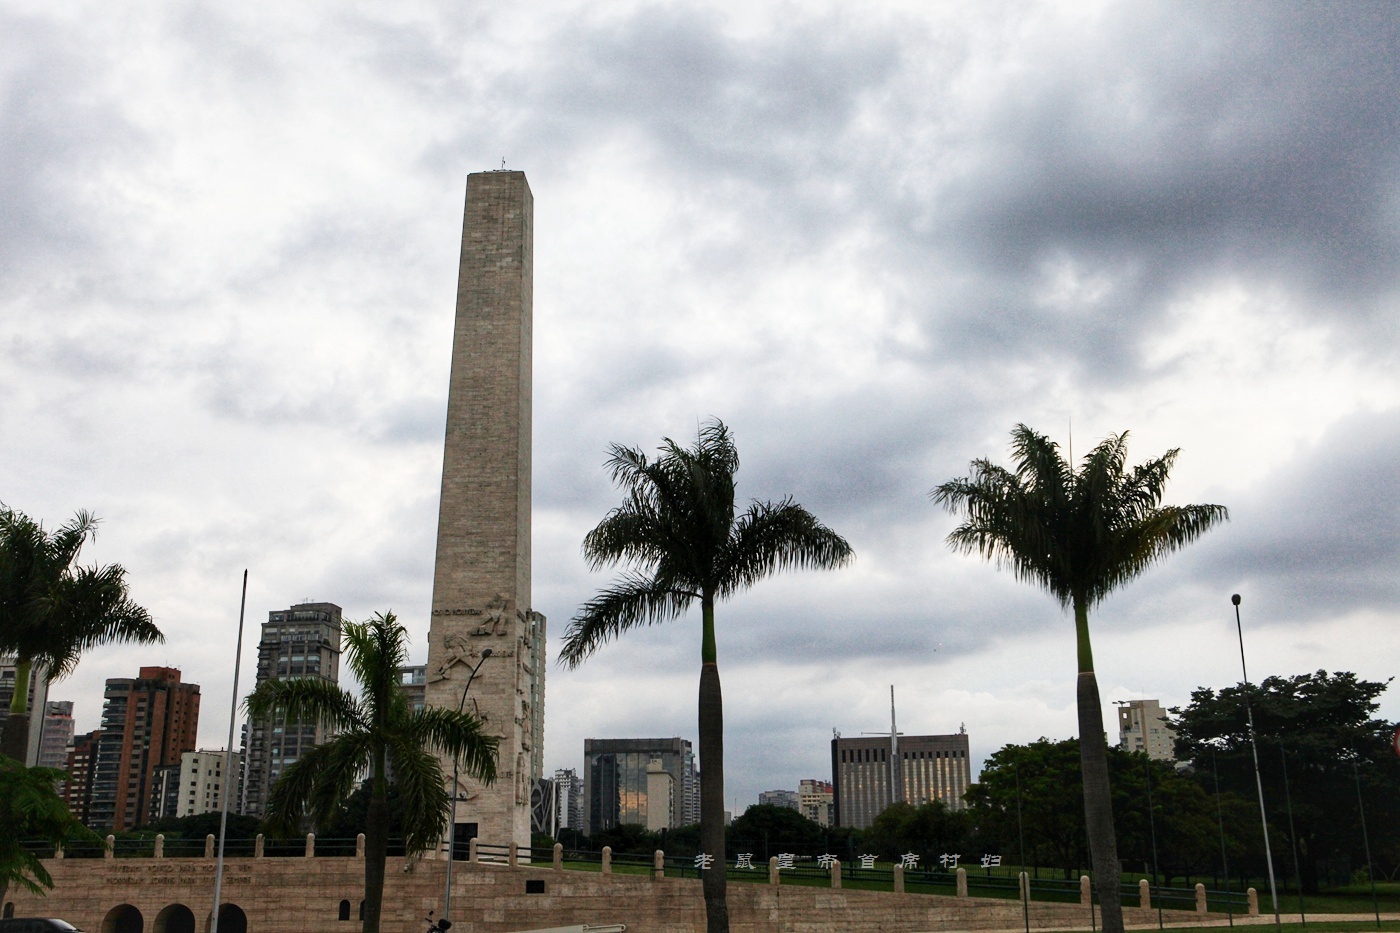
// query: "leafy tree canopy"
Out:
[1316,726]
[31,811]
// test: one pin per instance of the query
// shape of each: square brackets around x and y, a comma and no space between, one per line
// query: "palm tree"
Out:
[680,540]
[51,612]
[373,734]
[1080,534]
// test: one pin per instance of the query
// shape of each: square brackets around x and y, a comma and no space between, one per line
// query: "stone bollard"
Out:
[1144,894]
[1086,892]
[774,876]
[513,855]
[472,851]
[1023,883]
[962,882]
[160,846]
[209,846]
[58,851]
[310,845]
[835,873]
[658,865]
[607,860]
[258,844]
[1200,898]
[1253,902]
[898,878]
[360,845]
[559,856]
[109,846]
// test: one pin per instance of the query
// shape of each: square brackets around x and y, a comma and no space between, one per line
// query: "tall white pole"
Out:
[228,762]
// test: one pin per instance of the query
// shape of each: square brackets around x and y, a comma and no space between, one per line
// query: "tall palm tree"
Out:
[373,734]
[51,612]
[679,538]
[1080,534]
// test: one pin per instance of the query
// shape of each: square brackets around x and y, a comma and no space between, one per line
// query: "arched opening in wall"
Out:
[123,919]
[232,919]
[177,918]
[9,909]
[362,910]
[344,913]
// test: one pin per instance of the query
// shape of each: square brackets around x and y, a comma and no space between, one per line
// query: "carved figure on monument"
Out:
[494,622]
[522,779]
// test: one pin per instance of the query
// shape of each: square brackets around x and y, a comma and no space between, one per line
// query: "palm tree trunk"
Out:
[376,844]
[14,741]
[1093,763]
[711,707]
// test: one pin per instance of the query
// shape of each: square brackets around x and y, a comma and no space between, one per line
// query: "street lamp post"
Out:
[452,823]
[1258,781]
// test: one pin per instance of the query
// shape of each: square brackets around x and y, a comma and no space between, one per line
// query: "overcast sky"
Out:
[870,240]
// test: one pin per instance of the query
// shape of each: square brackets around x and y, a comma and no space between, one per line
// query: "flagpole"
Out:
[228,762]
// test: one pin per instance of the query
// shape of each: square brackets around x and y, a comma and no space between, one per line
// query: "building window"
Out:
[344,911]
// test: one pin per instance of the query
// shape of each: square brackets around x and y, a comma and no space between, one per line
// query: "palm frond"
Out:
[1079,533]
[630,602]
[769,537]
[317,784]
[308,700]
[419,778]
[457,735]
[376,649]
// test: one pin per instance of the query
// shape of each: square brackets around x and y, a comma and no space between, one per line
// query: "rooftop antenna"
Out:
[503,163]
[894,752]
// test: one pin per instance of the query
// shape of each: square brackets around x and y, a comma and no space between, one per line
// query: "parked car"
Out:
[36,925]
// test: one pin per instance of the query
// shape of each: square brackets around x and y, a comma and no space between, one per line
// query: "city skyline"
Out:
[872,243]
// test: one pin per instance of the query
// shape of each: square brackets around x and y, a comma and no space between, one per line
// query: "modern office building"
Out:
[816,800]
[56,734]
[1142,727]
[931,767]
[616,785]
[147,722]
[77,790]
[779,798]
[300,641]
[38,696]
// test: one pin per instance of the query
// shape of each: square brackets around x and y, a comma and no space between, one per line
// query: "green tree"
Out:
[929,830]
[1033,791]
[51,612]
[1079,533]
[1320,724]
[679,537]
[31,812]
[374,733]
[765,830]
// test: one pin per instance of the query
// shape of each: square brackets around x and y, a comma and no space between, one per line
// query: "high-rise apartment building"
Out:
[196,785]
[56,734]
[816,800]
[38,696]
[300,641]
[779,798]
[615,783]
[568,799]
[931,767]
[413,683]
[77,790]
[147,722]
[1142,727]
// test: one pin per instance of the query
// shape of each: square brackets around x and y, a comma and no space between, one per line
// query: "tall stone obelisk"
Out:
[481,582]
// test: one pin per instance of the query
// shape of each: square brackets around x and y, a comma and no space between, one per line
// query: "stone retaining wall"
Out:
[292,895]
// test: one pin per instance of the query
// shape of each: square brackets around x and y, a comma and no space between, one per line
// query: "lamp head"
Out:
[1234,599]
[486,652]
